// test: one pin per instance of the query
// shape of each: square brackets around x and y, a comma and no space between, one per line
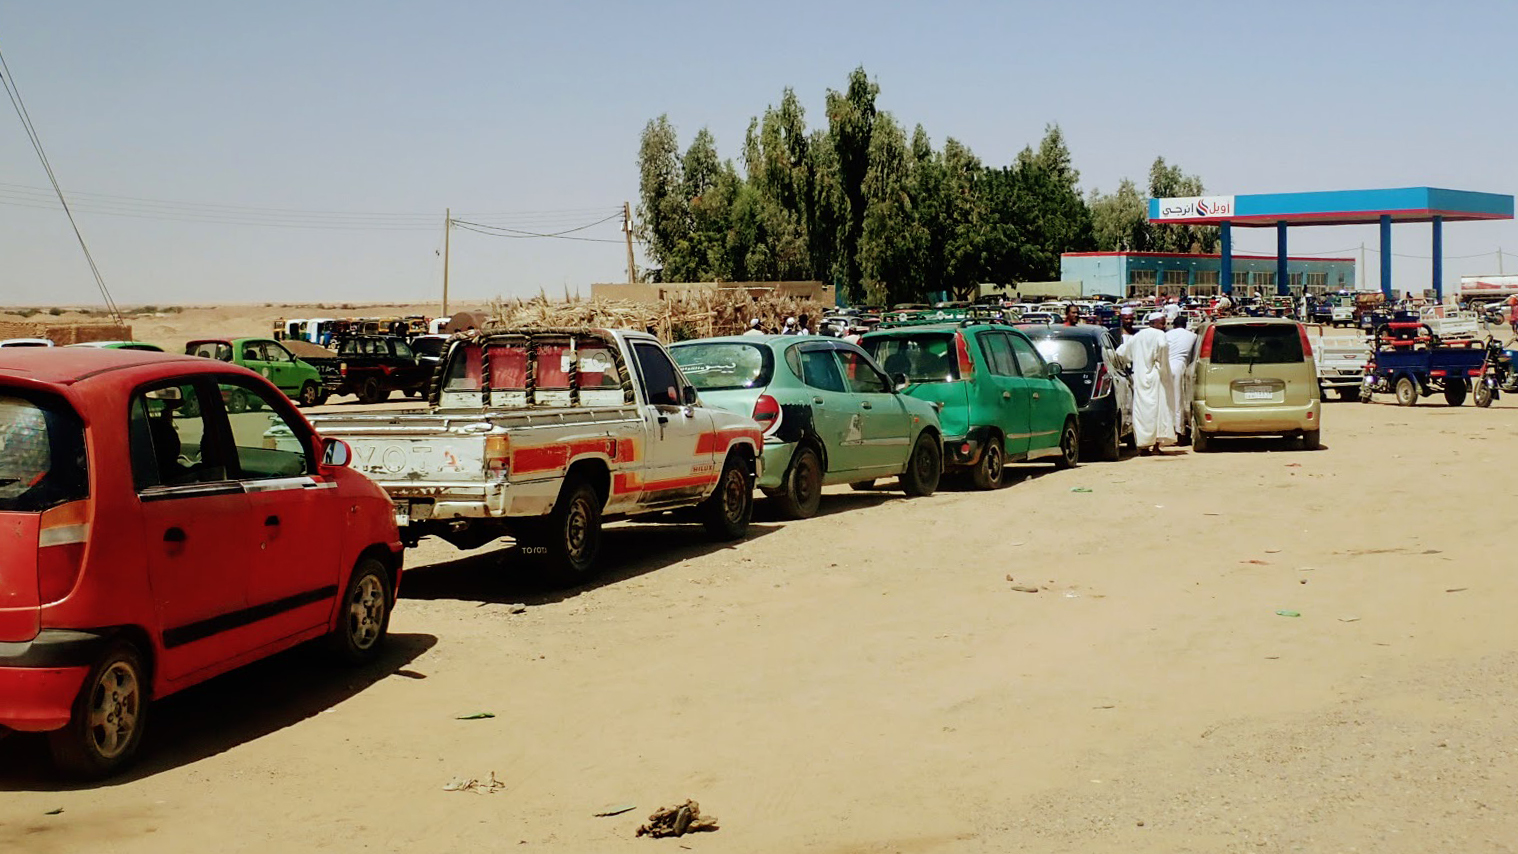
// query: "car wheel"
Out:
[924,468]
[801,495]
[1407,392]
[1069,446]
[237,402]
[310,394]
[1111,446]
[105,728]
[1310,440]
[371,393]
[569,539]
[1454,392]
[727,511]
[1201,442]
[987,473]
[1483,393]
[364,616]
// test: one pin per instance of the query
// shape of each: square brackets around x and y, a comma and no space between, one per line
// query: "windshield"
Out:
[42,458]
[724,366]
[1256,344]
[1072,354]
[925,357]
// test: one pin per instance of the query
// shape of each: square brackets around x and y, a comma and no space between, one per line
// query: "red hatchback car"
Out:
[150,539]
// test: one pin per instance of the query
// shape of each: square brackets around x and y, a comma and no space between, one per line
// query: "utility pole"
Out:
[627,231]
[447,232]
[1360,273]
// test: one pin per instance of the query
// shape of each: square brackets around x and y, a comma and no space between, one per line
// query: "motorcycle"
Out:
[1497,374]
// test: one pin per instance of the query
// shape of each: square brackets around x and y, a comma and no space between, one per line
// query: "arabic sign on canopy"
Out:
[1196,207]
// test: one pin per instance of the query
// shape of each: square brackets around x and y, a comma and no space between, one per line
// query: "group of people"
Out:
[1159,356]
[793,326]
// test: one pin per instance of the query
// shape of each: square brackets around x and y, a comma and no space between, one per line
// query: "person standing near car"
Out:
[1072,315]
[1148,355]
[754,327]
[1181,342]
[1125,323]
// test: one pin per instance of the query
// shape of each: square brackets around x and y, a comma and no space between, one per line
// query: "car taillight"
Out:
[1306,344]
[61,537]
[342,368]
[498,453]
[1206,350]
[1103,385]
[962,349]
[767,413]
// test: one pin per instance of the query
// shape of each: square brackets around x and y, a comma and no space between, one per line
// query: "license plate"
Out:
[402,515]
[1258,394]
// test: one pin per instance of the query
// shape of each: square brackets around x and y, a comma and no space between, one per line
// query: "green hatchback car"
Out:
[299,380]
[1000,402]
[829,414]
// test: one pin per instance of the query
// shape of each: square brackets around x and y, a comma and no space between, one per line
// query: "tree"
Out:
[709,187]
[1167,181]
[1120,220]
[851,130]
[662,220]
[891,240]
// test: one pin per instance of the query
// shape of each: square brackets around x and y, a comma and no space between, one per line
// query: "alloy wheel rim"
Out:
[366,612]
[1067,445]
[115,705]
[994,464]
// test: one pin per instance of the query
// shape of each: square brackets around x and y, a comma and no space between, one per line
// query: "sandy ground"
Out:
[868,681]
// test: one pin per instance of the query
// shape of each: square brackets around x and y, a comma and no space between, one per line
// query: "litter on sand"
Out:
[58,811]
[678,821]
[616,810]
[477,716]
[1080,489]
[1021,589]
[1349,619]
[483,787]
[1285,613]
[1456,589]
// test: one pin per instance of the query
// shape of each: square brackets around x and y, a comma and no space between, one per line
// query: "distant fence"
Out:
[67,333]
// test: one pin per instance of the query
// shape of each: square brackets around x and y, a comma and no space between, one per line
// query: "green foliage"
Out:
[884,217]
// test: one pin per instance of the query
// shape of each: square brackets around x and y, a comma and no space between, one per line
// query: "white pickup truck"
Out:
[1340,356]
[541,434]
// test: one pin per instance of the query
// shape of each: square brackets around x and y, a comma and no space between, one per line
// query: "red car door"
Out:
[197,525]
[294,569]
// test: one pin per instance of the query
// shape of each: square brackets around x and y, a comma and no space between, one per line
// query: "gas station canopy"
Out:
[1335,207]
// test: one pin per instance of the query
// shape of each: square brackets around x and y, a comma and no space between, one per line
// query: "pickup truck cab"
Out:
[151,539]
[544,433]
[268,358]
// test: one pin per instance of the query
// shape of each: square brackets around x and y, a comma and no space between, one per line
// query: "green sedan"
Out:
[122,345]
[829,414]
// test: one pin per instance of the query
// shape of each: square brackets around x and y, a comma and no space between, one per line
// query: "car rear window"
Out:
[925,357]
[724,366]
[1072,354]
[1256,344]
[429,346]
[42,453]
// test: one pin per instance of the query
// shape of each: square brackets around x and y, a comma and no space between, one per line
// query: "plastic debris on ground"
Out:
[483,787]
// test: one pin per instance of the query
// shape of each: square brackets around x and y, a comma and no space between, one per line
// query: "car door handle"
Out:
[1006,395]
[865,404]
[174,535]
[1035,395]
[817,400]
[271,522]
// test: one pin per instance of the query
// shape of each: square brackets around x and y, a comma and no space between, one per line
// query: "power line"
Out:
[517,232]
[13,91]
[470,227]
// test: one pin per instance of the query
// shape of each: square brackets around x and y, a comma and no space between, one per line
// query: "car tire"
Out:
[1069,446]
[1311,440]
[1454,392]
[1407,392]
[801,495]
[310,395]
[569,539]
[105,728]
[1111,446]
[924,467]
[363,617]
[237,402]
[1201,442]
[987,473]
[371,393]
[727,511]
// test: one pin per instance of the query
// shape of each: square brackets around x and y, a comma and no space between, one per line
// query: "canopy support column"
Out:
[1225,278]
[1438,254]
[1282,278]
[1386,257]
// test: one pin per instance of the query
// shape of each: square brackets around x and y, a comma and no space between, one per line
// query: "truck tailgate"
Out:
[416,448]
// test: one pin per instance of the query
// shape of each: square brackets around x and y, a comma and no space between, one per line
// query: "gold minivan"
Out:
[1254,377]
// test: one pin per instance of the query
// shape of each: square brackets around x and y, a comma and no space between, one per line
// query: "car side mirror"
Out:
[899,381]
[336,453]
[1053,369]
[688,396]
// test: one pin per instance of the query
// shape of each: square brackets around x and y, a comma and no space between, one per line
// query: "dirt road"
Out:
[868,681]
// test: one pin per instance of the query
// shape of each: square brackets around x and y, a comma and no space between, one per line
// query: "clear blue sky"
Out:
[506,108]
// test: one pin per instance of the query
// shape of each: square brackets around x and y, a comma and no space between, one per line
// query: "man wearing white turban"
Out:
[1148,354]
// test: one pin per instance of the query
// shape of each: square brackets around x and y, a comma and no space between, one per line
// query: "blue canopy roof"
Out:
[1334,207]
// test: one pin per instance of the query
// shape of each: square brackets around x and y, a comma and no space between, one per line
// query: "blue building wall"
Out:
[1112,273]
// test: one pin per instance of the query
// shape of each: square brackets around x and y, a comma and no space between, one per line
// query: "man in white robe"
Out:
[1181,342]
[1153,413]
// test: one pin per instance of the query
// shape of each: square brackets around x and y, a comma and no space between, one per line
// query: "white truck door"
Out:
[676,464]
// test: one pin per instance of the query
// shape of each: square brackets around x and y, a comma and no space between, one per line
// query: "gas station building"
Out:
[1145,274]
[1385,207]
